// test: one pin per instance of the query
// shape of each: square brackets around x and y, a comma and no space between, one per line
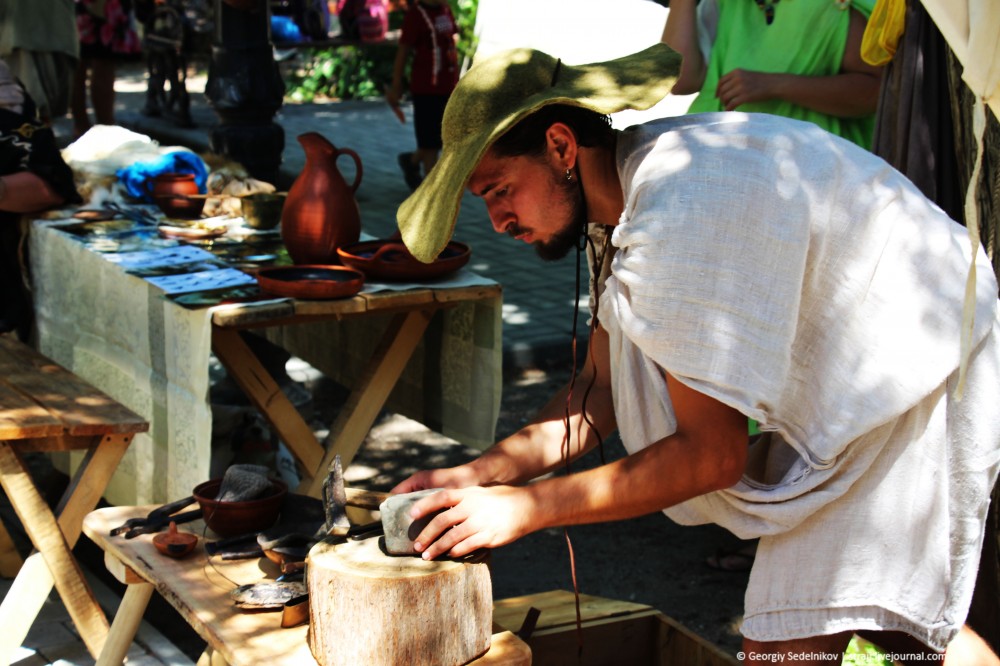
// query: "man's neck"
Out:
[603,190]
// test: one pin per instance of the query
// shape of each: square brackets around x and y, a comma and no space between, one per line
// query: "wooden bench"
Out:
[45,408]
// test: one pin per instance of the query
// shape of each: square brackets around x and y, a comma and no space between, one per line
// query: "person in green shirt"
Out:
[799,58]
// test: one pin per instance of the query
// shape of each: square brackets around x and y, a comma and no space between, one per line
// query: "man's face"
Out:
[530,199]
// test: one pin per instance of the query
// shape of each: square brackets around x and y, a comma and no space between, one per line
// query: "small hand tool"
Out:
[335,501]
[157,519]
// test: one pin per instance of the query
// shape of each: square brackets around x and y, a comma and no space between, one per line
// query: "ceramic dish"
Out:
[95,214]
[310,281]
[390,260]
[190,233]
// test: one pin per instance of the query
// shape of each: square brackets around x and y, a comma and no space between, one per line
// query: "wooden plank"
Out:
[42,399]
[476,293]
[390,300]
[608,642]
[126,624]
[371,390]
[44,532]
[254,380]
[243,316]
[558,609]
[676,644]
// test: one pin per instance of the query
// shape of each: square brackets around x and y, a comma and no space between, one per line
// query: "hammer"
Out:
[399,528]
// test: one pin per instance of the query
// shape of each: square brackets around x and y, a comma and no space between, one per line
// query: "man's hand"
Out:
[473,518]
[452,477]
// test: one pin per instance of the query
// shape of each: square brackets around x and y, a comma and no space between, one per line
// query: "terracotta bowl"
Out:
[390,260]
[310,282]
[180,206]
[237,518]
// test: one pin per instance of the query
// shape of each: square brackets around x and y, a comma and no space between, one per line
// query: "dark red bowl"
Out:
[310,281]
[390,260]
[180,206]
[237,518]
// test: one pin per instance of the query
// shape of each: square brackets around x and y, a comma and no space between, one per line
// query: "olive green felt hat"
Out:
[492,97]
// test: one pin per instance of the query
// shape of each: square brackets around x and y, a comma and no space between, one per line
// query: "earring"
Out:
[569,175]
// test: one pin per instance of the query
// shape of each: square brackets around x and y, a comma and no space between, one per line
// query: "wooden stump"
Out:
[368,607]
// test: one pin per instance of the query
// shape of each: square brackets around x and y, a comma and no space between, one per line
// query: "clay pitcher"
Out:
[321,213]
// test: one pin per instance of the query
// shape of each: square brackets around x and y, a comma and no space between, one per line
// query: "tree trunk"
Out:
[368,607]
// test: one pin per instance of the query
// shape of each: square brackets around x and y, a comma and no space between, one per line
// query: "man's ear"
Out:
[561,145]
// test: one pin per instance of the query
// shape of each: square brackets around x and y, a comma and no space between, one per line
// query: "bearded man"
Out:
[756,267]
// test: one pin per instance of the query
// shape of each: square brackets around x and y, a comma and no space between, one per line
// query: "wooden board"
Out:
[39,398]
[558,609]
[613,632]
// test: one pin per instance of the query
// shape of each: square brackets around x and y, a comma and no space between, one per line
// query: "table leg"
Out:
[211,657]
[126,623]
[371,391]
[35,580]
[43,529]
[265,394]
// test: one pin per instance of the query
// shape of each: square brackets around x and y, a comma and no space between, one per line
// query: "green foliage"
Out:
[465,18]
[350,72]
[344,72]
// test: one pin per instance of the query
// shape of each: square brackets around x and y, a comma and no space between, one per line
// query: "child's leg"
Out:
[427,157]
[428,111]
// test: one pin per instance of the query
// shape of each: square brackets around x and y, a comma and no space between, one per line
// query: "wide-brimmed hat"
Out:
[492,97]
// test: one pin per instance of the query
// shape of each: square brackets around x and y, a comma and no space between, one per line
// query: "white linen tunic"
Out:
[802,281]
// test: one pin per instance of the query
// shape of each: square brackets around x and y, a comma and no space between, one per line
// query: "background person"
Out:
[764,269]
[428,37]
[800,59]
[108,34]
[33,177]
[38,41]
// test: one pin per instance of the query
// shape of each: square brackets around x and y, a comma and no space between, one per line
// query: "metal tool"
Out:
[335,501]
[132,213]
[157,519]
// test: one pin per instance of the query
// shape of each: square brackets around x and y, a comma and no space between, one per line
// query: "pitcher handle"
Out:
[357,163]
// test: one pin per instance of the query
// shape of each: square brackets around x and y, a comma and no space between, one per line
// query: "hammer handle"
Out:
[365,499]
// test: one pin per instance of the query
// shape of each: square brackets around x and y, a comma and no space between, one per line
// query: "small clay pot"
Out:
[173,543]
[173,192]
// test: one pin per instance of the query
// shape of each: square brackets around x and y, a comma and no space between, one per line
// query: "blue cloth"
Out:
[138,177]
[284,29]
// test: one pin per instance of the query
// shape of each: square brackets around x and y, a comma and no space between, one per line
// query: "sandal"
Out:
[738,559]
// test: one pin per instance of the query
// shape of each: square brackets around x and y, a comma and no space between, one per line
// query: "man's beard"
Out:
[566,238]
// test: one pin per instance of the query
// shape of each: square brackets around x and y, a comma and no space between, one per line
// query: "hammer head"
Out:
[400,529]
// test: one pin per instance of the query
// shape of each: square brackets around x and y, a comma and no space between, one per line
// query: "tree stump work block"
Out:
[368,607]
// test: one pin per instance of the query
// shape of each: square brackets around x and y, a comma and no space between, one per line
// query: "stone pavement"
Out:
[54,640]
